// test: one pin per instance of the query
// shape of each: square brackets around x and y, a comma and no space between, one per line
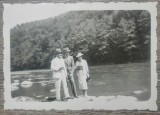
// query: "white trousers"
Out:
[58,88]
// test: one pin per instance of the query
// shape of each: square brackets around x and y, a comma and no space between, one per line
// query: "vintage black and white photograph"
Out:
[80,56]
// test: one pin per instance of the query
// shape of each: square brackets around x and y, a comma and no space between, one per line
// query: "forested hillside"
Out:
[105,37]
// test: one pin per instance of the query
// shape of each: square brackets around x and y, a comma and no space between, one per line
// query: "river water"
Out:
[131,79]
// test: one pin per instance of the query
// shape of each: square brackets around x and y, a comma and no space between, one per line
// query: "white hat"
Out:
[58,50]
[67,49]
[79,54]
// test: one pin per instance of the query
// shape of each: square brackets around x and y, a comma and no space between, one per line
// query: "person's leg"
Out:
[85,93]
[58,87]
[65,88]
[73,86]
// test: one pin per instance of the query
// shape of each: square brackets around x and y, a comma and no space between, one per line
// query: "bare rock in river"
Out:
[26,84]
[14,87]
[15,84]
[53,90]
[23,98]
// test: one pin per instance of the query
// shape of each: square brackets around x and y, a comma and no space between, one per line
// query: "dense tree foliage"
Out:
[104,37]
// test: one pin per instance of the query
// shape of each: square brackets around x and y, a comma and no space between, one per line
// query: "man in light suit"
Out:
[59,74]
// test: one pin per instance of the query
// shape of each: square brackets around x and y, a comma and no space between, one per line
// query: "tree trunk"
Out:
[140,53]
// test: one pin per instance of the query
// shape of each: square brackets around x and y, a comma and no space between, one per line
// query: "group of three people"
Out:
[63,68]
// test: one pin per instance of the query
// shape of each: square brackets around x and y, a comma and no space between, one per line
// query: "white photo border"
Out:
[144,105]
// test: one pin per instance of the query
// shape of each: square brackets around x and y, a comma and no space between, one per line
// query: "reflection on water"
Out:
[108,80]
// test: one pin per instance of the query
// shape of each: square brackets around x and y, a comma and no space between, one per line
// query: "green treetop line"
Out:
[105,37]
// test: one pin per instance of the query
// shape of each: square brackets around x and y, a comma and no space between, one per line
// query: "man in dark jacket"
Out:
[69,62]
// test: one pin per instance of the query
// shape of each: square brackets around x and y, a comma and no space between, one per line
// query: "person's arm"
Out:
[73,65]
[87,70]
[64,68]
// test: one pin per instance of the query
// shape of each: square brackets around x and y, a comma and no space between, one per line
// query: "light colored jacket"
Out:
[56,64]
[85,70]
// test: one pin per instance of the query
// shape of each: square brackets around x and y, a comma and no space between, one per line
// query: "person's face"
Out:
[66,53]
[59,55]
[80,58]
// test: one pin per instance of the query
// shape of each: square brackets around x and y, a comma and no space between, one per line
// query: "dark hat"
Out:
[66,49]
[58,50]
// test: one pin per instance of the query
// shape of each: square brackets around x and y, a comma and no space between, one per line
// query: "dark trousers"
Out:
[73,86]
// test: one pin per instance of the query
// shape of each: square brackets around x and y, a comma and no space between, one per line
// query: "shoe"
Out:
[65,99]
[76,97]
[58,100]
[69,98]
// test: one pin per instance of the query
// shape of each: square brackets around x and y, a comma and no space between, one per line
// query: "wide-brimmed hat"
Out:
[66,49]
[58,50]
[79,54]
